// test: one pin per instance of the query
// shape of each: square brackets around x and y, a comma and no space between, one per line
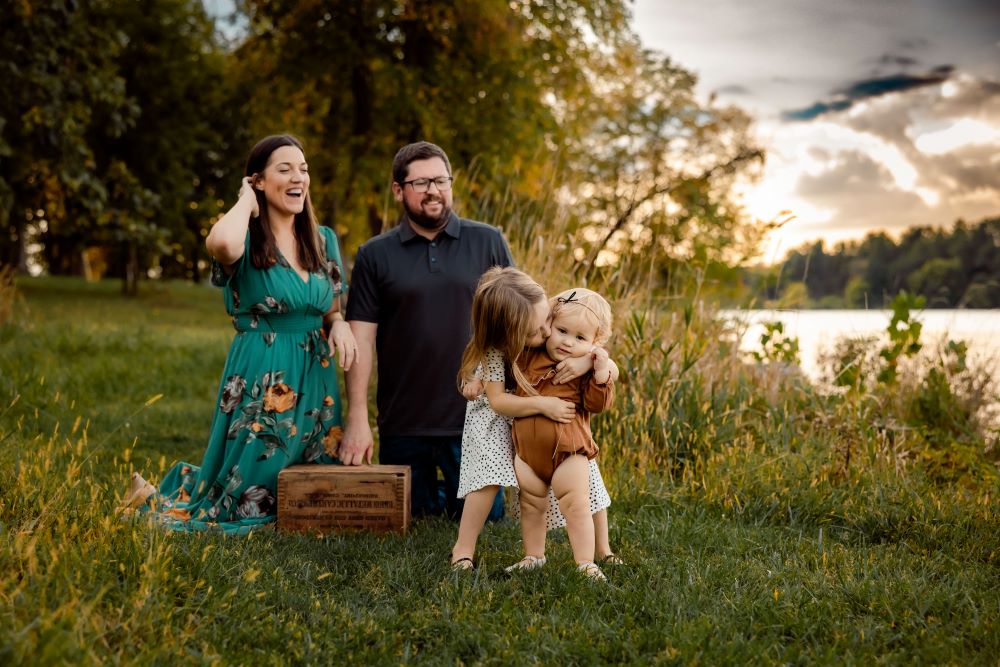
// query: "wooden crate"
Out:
[322,498]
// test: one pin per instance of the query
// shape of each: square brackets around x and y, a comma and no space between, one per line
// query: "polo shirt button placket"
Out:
[432,253]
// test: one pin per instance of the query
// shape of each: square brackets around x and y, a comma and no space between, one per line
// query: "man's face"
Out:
[428,209]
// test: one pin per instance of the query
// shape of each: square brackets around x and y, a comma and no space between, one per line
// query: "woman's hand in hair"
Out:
[227,237]
[247,190]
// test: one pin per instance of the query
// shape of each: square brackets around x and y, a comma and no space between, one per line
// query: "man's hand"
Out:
[358,444]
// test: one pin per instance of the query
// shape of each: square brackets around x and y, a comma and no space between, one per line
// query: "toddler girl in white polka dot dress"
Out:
[509,314]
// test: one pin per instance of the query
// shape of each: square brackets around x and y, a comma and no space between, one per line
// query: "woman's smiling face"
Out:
[285,181]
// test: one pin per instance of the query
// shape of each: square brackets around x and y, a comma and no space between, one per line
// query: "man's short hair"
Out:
[422,150]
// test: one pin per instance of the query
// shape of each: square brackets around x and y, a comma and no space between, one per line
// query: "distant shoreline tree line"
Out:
[123,127]
[956,267]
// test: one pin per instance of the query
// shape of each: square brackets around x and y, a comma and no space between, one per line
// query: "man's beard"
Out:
[418,217]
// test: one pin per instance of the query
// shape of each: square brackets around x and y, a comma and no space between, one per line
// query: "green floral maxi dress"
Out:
[278,401]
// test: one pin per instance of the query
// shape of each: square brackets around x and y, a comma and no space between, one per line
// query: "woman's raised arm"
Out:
[225,241]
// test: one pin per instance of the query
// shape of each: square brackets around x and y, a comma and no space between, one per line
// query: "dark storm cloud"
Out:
[868,88]
[816,110]
[893,84]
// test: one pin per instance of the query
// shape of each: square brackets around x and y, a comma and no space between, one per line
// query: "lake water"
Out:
[818,330]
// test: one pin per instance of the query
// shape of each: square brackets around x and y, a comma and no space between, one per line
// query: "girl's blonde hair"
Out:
[502,318]
[592,305]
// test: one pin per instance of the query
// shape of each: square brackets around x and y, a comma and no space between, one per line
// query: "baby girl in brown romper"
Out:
[543,443]
[554,454]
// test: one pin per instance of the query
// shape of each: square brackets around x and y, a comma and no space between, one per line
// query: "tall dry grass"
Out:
[746,504]
[688,393]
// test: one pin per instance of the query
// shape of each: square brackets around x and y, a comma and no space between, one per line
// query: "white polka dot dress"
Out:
[487,446]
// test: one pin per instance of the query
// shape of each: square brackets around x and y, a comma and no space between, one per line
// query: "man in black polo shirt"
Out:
[411,299]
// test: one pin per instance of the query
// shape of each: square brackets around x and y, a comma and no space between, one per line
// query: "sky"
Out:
[875,114]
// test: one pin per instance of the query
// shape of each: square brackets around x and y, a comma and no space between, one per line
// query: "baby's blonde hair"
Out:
[593,306]
[502,316]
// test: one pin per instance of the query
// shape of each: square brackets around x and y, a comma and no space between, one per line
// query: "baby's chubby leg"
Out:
[534,501]
[570,484]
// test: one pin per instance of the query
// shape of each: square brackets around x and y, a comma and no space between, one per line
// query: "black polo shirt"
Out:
[419,292]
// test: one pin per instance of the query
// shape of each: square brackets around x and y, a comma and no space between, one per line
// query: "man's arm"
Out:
[358,445]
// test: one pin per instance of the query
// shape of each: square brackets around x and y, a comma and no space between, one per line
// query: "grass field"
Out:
[754,541]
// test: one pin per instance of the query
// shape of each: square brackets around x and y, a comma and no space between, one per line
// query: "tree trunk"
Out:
[196,250]
[130,269]
[22,246]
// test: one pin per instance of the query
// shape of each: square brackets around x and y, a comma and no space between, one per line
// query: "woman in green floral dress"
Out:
[278,401]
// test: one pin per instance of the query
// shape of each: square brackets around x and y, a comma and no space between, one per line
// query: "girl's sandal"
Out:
[612,559]
[462,564]
[526,563]
[591,571]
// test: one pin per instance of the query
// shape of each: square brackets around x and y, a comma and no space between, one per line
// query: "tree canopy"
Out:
[125,134]
[958,267]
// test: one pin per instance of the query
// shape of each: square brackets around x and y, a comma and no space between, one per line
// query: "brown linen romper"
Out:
[543,443]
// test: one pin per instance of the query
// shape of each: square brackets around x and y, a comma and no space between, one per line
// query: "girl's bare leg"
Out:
[602,544]
[534,497]
[570,484]
[477,507]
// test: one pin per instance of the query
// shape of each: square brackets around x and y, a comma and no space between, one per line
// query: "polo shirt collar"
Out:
[452,229]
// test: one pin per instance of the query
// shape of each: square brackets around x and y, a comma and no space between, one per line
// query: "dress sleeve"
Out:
[219,276]
[335,265]
[597,397]
[494,367]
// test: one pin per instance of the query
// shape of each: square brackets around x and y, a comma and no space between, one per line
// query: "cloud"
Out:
[950,133]
[897,60]
[925,156]
[817,110]
[733,89]
[864,89]
[861,191]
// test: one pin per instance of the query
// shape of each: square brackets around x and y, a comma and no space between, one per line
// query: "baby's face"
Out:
[540,324]
[573,334]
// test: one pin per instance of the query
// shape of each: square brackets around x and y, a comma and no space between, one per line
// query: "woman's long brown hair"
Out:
[502,316]
[263,247]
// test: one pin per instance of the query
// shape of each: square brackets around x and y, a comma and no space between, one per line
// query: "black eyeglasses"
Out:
[422,185]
